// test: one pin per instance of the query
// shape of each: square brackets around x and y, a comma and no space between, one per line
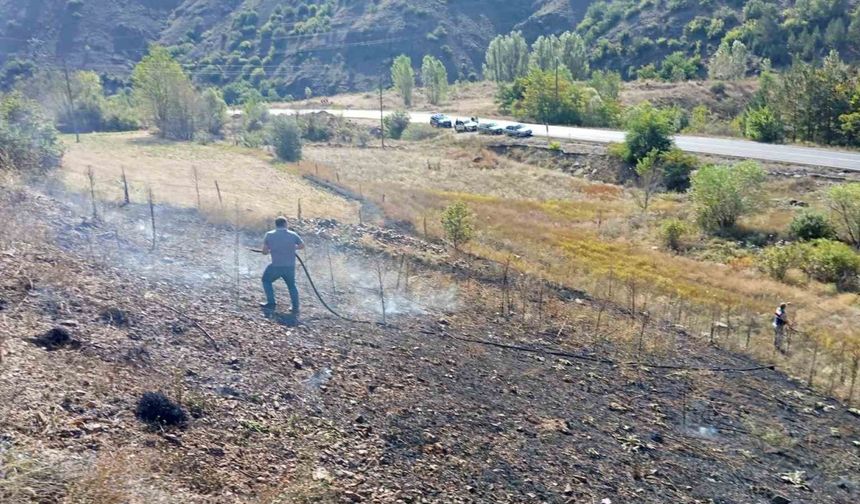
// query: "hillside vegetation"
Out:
[284,48]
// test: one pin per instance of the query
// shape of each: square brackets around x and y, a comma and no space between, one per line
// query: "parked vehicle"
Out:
[441,121]
[518,131]
[490,128]
[461,126]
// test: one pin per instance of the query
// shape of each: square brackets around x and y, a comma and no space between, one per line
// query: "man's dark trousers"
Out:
[288,273]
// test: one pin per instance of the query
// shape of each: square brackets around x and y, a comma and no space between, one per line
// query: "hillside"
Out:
[330,46]
[327,46]
[450,402]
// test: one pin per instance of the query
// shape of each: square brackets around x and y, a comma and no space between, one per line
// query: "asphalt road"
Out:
[830,158]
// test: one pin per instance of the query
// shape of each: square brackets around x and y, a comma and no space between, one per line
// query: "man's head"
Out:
[783,305]
[281,222]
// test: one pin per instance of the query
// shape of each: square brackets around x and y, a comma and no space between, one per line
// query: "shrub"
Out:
[722,194]
[763,125]
[810,225]
[844,202]
[555,146]
[396,123]
[777,260]
[671,233]
[457,224]
[285,137]
[648,129]
[677,167]
[156,408]
[316,128]
[831,261]
[28,140]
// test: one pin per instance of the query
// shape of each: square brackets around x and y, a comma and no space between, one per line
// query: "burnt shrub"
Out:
[56,338]
[155,408]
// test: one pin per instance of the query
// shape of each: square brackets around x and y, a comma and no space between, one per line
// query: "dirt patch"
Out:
[581,160]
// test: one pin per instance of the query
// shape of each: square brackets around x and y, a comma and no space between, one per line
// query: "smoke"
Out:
[213,260]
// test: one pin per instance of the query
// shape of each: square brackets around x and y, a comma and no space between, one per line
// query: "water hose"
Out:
[317,292]
[319,296]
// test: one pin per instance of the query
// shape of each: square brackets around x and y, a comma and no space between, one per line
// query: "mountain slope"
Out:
[282,47]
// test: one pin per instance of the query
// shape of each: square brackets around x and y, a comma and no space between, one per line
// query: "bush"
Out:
[396,123]
[316,128]
[457,224]
[671,233]
[285,137]
[763,125]
[844,202]
[28,140]
[722,194]
[777,260]
[831,261]
[648,129]
[809,225]
[155,408]
[677,167]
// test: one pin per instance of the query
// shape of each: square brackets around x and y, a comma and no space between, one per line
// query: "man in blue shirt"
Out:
[282,244]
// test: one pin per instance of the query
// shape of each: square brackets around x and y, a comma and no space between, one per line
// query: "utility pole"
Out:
[72,110]
[381,114]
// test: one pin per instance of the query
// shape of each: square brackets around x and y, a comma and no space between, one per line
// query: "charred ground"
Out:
[332,411]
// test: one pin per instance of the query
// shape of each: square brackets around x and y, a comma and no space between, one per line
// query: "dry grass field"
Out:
[583,234]
[593,236]
[248,179]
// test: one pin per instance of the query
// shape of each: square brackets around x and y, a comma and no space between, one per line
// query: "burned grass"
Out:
[410,411]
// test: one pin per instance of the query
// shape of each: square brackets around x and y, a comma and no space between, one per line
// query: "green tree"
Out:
[574,55]
[844,203]
[403,78]
[457,224]
[545,53]
[550,101]
[763,125]
[396,123]
[213,111]
[165,93]
[723,194]
[286,137]
[648,129]
[434,76]
[729,62]
[607,83]
[507,58]
[678,67]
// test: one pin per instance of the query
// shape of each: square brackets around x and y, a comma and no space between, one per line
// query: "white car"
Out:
[465,126]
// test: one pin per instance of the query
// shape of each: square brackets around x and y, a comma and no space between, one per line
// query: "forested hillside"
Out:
[288,48]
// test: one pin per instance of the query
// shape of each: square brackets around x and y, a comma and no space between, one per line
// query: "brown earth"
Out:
[336,411]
